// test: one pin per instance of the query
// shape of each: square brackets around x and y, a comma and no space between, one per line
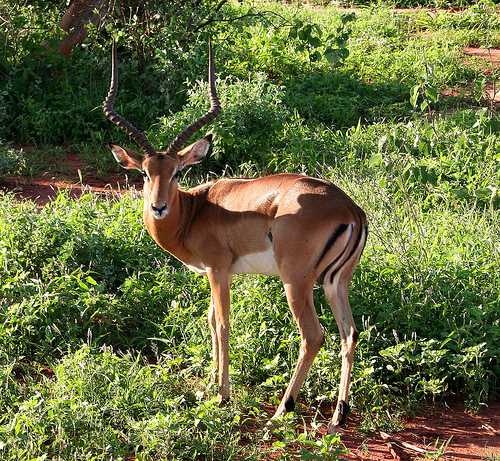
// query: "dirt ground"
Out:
[445,433]
[491,59]
[42,190]
[460,435]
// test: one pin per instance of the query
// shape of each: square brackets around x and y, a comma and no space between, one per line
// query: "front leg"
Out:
[219,284]
[215,343]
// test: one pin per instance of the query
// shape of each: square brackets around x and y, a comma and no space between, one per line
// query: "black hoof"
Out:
[290,404]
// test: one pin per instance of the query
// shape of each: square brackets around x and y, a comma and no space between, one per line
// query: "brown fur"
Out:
[212,226]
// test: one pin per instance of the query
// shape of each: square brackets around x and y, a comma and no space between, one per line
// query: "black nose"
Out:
[159,210]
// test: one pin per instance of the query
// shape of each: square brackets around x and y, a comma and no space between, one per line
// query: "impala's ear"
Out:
[196,152]
[127,159]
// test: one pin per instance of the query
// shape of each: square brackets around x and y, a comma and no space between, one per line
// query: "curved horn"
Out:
[108,108]
[181,139]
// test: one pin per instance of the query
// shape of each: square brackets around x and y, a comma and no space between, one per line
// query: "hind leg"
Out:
[300,300]
[337,294]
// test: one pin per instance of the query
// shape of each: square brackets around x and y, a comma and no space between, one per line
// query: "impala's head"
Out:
[161,168]
[161,172]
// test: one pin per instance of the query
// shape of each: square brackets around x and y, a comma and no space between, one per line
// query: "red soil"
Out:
[471,437]
[451,432]
[492,55]
[491,58]
[43,188]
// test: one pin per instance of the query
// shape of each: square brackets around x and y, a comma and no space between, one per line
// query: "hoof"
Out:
[290,404]
[343,411]
[339,418]
[284,407]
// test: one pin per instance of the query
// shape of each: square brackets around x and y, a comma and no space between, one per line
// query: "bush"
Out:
[250,108]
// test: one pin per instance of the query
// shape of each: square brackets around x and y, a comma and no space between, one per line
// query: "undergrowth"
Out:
[84,288]
[335,68]
[104,348]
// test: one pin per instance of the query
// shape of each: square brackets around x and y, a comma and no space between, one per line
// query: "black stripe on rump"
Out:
[331,241]
[354,248]
[321,278]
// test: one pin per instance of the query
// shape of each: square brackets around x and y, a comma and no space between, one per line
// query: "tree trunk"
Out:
[78,15]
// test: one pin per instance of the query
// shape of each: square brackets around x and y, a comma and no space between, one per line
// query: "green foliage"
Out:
[310,37]
[100,405]
[250,108]
[104,349]
[328,448]
[12,161]
[424,94]
[60,97]
[419,3]
[481,16]
[24,162]
[335,68]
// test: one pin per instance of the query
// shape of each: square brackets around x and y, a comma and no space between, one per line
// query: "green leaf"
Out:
[305,33]
[432,94]
[83,286]
[315,56]
[90,280]
[332,56]
[343,52]
[314,42]
[306,455]
[376,160]
[415,91]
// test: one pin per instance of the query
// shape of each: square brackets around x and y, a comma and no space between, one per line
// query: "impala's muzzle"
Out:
[160,210]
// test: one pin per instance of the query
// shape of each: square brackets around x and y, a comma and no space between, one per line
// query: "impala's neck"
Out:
[170,232]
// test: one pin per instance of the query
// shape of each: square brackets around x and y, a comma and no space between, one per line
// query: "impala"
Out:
[302,229]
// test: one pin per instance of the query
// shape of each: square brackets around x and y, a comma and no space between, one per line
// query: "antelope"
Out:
[302,229]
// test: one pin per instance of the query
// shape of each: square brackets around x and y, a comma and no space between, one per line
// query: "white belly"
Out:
[256,263]
[199,269]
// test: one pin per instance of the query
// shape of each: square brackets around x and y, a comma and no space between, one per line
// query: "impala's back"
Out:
[262,225]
